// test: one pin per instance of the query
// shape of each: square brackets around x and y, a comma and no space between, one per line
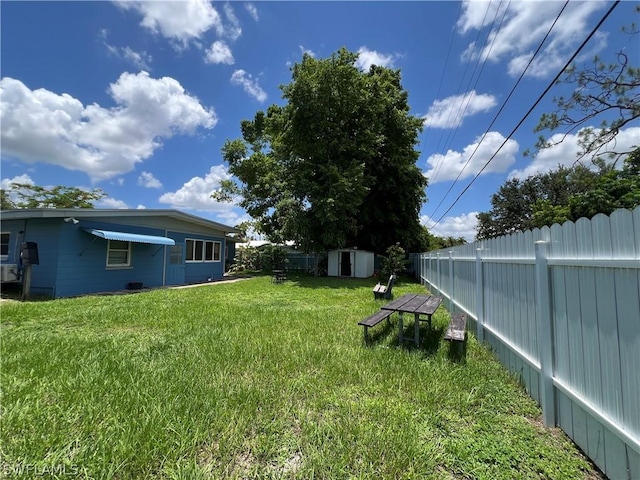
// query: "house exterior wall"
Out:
[195,272]
[74,261]
[46,234]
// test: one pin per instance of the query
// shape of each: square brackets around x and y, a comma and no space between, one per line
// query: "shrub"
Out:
[394,262]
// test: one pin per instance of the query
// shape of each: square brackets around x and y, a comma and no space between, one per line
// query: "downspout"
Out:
[223,254]
[164,261]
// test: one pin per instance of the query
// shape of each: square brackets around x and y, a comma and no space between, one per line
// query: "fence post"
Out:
[439,287]
[479,296]
[451,282]
[545,333]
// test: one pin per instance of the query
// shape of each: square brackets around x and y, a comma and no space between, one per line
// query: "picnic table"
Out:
[416,304]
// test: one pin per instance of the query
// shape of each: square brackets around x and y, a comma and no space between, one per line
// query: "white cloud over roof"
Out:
[196,193]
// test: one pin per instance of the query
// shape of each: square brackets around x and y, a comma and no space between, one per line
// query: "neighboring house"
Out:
[350,262]
[84,251]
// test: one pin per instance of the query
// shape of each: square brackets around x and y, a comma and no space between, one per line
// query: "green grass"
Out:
[256,380]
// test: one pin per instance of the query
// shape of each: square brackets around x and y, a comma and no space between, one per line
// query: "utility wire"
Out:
[466,68]
[553,82]
[504,104]
[466,100]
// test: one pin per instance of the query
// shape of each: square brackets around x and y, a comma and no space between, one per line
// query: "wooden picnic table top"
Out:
[413,303]
[399,302]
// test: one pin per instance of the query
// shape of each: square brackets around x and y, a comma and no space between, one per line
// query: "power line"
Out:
[502,107]
[553,82]
[464,73]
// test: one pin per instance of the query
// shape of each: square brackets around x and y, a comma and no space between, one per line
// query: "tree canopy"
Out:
[335,165]
[560,195]
[604,92]
[25,195]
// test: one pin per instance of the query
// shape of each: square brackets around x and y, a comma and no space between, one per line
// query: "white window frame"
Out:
[110,249]
[206,250]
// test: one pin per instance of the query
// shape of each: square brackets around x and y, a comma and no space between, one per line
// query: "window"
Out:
[118,253]
[4,245]
[203,250]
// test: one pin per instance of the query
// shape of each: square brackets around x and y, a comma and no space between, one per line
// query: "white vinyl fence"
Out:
[560,306]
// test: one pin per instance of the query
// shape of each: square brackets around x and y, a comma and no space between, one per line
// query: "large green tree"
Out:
[335,165]
[25,195]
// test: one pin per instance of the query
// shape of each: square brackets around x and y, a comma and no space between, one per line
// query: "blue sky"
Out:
[137,98]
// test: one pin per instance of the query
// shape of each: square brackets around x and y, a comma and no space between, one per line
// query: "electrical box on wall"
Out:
[9,273]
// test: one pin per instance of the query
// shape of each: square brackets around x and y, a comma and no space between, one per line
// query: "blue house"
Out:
[82,251]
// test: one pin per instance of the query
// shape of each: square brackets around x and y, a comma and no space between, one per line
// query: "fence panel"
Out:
[593,268]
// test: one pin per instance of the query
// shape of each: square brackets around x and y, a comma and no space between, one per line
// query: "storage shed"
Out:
[350,263]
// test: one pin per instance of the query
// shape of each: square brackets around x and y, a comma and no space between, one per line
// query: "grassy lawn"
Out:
[259,380]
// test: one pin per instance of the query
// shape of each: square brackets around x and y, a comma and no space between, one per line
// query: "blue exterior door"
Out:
[175,265]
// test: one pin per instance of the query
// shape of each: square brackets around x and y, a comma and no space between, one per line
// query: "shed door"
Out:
[176,266]
[345,264]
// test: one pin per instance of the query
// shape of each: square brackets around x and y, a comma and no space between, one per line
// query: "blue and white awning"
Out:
[130,237]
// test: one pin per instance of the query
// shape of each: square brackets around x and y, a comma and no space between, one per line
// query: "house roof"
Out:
[29,213]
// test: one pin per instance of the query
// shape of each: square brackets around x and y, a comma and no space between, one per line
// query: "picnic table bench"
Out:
[457,329]
[409,303]
[373,320]
[279,276]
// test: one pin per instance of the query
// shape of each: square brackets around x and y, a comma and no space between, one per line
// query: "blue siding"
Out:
[46,235]
[83,261]
[196,272]
[74,262]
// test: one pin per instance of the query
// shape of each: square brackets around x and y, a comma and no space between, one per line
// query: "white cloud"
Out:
[448,166]
[309,52]
[42,126]
[525,25]
[464,225]
[111,203]
[141,60]
[565,153]
[180,21]
[240,77]
[233,31]
[253,11]
[5,184]
[451,111]
[25,179]
[367,57]
[219,52]
[146,179]
[196,193]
